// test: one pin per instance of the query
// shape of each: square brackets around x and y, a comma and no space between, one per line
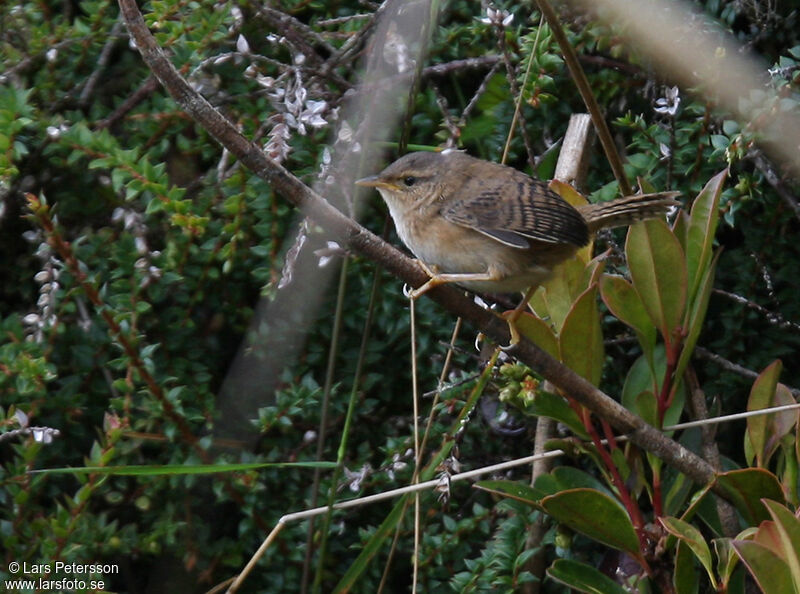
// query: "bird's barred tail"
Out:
[628,210]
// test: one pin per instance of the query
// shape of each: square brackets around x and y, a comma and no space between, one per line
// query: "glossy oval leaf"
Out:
[556,296]
[698,307]
[553,406]
[583,578]
[700,232]
[747,487]
[638,391]
[692,538]
[624,302]
[658,270]
[538,332]
[513,490]
[765,431]
[569,477]
[581,339]
[595,515]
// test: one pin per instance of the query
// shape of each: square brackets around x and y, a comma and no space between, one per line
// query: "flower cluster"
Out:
[38,322]
[134,222]
[295,110]
[497,17]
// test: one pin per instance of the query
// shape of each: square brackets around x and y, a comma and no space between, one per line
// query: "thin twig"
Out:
[518,101]
[417,452]
[102,62]
[582,83]
[733,367]
[774,179]
[511,75]
[771,316]
[333,352]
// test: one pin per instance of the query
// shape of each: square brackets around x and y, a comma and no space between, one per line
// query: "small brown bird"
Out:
[490,228]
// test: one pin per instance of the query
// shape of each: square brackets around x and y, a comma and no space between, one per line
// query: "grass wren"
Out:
[490,228]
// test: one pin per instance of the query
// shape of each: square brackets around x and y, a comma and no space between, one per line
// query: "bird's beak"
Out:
[373,181]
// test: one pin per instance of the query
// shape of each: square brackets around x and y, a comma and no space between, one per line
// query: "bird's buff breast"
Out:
[450,248]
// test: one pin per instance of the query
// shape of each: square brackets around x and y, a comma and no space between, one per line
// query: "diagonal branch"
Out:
[367,244]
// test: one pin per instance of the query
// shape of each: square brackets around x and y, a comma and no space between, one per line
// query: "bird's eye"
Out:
[409,180]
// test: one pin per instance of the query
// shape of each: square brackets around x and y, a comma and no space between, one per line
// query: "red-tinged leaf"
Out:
[658,270]
[596,515]
[788,527]
[767,534]
[583,578]
[747,487]
[581,338]
[768,570]
[763,395]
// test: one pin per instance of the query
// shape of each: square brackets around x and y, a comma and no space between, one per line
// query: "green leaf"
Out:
[700,233]
[555,298]
[638,392]
[696,316]
[568,477]
[583,578]
[624,302]
[553,406]
[691,536]
[513,490]
[539,332]
[766,431]
[788,528]
[596,515]
[171,469]
[684,575]
[747,487]
[726,559]
[770,571]
[581,338]
[658,270]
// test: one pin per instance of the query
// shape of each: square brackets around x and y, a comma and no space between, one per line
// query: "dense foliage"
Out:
[157,307]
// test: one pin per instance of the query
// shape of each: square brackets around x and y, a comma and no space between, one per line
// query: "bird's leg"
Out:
[436,278]
[512,317]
